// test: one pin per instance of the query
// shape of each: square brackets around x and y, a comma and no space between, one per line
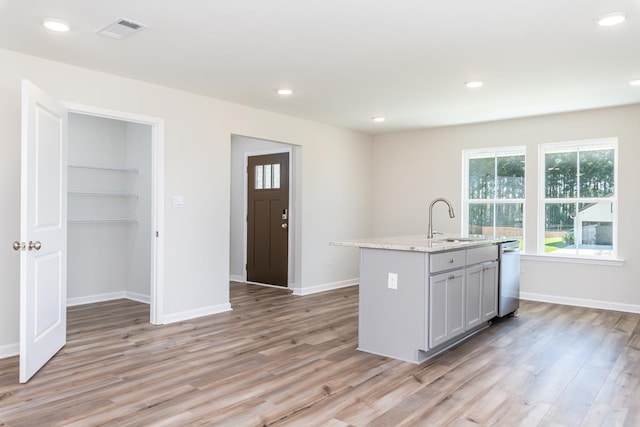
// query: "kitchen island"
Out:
[420,296]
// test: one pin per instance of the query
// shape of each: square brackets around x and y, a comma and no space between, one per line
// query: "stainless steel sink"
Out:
[460,239]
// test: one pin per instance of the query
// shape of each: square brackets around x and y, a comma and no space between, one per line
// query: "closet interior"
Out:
[109,210]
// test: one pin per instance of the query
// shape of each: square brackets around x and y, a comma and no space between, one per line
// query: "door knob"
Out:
[17,245]
[34,245]
[285,225]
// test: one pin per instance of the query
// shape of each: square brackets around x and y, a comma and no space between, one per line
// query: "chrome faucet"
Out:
[451,214]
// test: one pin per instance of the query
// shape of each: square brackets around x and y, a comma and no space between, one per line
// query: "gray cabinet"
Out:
[463,292]
[481,293]
[446,318]
[391,320]
[415,304]
[489,291]
[473,296]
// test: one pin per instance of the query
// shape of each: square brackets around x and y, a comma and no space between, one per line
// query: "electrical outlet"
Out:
[392,281]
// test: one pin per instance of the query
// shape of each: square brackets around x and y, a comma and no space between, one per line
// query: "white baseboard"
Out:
[108,297]
[325,287]
[192,314]
[90,299]
[580,302]
[9,350]
[134,296]
[234,278]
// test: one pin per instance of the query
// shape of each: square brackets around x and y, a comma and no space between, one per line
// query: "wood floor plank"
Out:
[284,360]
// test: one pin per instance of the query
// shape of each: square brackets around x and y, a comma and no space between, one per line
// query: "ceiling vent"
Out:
[121,28]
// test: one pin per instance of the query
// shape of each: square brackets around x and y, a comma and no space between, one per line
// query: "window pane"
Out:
[481,178]
[481,219]
[509,220]
[559,227]
[595,224]
[267,176]
[259,178]
[596,173]
[561,175]
[276,175]
[510,179]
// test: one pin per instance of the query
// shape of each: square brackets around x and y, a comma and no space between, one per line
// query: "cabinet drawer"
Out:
[482,254]
[446,261]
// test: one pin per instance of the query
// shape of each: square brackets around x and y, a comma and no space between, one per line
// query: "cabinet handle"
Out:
[451,261]
[451,277]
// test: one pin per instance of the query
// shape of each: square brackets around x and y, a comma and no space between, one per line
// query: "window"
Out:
[578,198]
[267,176]
[494,195]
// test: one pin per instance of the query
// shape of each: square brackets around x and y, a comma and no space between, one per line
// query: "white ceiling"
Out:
[350,60]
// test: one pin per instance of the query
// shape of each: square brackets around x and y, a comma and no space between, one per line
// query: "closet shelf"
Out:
[103,221]
[101,194]
[102,167]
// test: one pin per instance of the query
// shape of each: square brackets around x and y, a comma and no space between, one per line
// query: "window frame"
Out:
[576,146]
[492,152]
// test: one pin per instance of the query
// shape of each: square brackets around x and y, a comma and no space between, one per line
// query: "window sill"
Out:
[612,262]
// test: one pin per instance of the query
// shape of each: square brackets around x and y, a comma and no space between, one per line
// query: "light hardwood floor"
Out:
[279,359]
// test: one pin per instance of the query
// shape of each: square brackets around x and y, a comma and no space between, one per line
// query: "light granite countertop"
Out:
[420,243]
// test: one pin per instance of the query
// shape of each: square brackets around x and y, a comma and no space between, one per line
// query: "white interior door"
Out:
[43,230]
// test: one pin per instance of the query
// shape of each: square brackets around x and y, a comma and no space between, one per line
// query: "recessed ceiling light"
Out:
[56,25]
[635,82]
[285,91]
[378,119]
[474,84]
[611,19]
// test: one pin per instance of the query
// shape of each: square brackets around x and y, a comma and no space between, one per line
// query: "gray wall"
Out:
[140,236]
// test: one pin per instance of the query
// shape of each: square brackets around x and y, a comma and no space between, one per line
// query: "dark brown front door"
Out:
[268,219]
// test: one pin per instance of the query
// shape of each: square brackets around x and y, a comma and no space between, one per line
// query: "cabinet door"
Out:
[474,307]
[489,291]
[438,309]
[446,307]
[455,304]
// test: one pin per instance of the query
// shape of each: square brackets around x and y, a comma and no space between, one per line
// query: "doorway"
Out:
[114,195]
[109,210]
[243,147]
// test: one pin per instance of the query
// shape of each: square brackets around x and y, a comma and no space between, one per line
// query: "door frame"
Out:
[156,293]
[292,213]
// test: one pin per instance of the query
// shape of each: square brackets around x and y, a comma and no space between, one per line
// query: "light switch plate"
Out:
[392,281]
[177,202]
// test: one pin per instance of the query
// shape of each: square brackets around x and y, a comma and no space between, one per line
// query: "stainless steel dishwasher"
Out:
[509,279]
